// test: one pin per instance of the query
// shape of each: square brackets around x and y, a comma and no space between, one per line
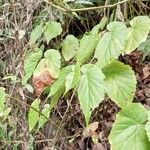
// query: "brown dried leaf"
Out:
[146,71]
[42,77]
[90,130]
[42,81]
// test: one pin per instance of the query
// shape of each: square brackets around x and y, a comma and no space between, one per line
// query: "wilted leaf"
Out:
[42,77]
[47,71]
[90,129]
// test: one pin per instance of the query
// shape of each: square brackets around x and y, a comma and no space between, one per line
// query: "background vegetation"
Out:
[64,129]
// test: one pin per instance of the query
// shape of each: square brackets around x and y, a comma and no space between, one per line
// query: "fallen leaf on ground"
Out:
[90,131]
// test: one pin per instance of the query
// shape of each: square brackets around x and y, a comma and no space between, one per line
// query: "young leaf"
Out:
[137,33]
[53,57]
[35,34]
[111,44]
[90,89]
[30,64]
[46,112]
[120,83]
[70,47]
[52,30]
[33,116]
[128,130]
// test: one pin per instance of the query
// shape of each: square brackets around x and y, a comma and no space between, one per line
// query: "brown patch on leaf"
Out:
[41,82]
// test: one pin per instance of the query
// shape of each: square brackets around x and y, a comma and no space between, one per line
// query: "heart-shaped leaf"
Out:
[111,44]
[137,33]
[69,47]
[30,64]
[90,89]
[128,130]
[120,83]
[52,30]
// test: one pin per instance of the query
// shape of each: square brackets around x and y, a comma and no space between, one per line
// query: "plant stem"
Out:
[64,9]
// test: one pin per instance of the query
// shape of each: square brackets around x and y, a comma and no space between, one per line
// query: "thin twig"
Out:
[36,111]
[143,4]
[64,9]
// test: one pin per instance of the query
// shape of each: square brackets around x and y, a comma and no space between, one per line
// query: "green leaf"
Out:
[56,97]
[36,33]
[69,47]
[72,78]
[90,89]
[111,44]
[52,30]
[77,75]
[2,99]
[60,82]
[33,116]
[46,112]
[128,130]
[87,46]
[120,83]
[50,64]
[147,126]
[54,62]
[68,82]
[30,64]
[137,33]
